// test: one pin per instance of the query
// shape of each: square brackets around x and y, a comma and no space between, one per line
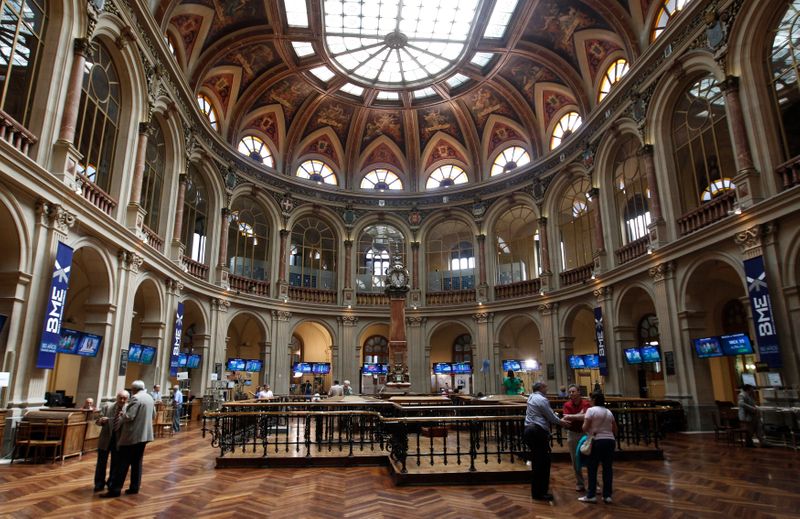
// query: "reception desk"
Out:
[74,432]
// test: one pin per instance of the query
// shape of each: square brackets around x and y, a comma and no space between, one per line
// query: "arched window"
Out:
[517,246]
[98,118]
[445,176]
[314,247]
[614,73]
[376,350]
[21,31]
[575,226]
[702,144]
[565,126]
[450,257]
[510,158]
[631,192]
[248,240]
[207,109]
[377,247]
[784,68]
[317,171]
[462,348]
[195,216]
[253,147]
[665,15]
[381,179]
[153,177]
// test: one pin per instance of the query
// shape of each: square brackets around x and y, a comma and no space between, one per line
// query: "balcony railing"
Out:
[15,134]
[96,196]
[251,286]
[312,295]
[530,287]
[789,173]
[153,239]
[633,250]
[195,268]
[371,298]
[708,213]
[452,297]
[576,275]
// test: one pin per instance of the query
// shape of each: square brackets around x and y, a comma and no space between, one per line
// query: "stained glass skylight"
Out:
[296,13]
[498,21]
[397,42]
[303,48]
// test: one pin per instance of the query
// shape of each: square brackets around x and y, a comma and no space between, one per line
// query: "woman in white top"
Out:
[600,422]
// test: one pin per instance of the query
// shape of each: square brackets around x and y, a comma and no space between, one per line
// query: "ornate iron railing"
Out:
[530,287]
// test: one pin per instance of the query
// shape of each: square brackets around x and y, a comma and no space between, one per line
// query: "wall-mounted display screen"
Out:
[706,347]
[134,352]
[736,344]
[148,354]
[462,368]
[89,345]
[183,358]
[320,368]
[633,356]
[591,361]
[253,365]
[301,367]
[69,341]
[375,369]
[651,354]
[576,362]
[511,364]
[236,364]
[194,361]
[442,368]
[531,365]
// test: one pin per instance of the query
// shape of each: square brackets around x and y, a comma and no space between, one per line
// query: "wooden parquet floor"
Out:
[698,478]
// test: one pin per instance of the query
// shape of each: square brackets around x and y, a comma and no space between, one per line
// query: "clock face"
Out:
[398,278]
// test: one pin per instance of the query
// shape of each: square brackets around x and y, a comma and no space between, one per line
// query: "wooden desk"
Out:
[421,400]
[74,432]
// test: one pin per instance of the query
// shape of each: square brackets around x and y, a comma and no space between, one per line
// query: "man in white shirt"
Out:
[336,389]
[156,394]
[265,393]
[538,419]
[177,404]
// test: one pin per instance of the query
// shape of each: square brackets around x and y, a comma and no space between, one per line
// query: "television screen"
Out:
[302,367]
[135,353]
[69,340]
[591,361]
[633,356]
[651,354]
[148,354]
[511,364]
[462,368]
[531,365]
[253,365]
[194,361]
[321,368]
[707,347]
[576,362]
[442,368]
[183,358]
[375,369]
[736,344]
[89,344]
[749,378]
[235,364]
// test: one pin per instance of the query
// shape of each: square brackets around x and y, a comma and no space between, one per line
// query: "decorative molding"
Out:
[347,320]
[603,293]
[281,315]
[662,271]
[547,308]
[483,317]
[751,241]
[220,305]
[415,321]
[55,216]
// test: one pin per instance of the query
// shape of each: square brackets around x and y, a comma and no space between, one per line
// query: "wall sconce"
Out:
[79,187]
[650,249]
[594,275]
[737,209]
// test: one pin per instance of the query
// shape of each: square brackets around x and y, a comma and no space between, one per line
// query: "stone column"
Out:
[612,383]
[69,116]
[177,230]
[564,374]
[279,369]
[128,264]
[415,294]
[598,239]
[283,285]
[136,213]
[348,364]
[544,255]
[348,294]
[219,333]
[419,368]
[201,376]
[264,350]
[549,313]
[747,179]
[658,226]
[484,346]
[223,271]
[481,239]
[625,337]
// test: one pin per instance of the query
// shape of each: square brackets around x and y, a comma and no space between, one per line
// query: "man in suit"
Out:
[110,415]
[136,431]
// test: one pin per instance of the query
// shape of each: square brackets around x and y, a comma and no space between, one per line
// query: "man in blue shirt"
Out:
[177,405]
[538,418]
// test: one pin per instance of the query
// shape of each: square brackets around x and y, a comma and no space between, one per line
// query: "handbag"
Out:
[586,447]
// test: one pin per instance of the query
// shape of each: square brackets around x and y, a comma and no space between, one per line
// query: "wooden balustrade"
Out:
[312,295]
[195,268]
[530,287]
[708,213]
[576,275]
[95,195]
[452,297]
[633,250]
[153,239]
[789,173]
[251,286]
[15,134]
[371,298]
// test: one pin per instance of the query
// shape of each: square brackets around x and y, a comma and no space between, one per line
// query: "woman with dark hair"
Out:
[600,423]
[512,384]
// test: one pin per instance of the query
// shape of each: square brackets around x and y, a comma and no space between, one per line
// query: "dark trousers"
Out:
[602,452]
[100,468]
[176,418]
[129,456]
[538,440]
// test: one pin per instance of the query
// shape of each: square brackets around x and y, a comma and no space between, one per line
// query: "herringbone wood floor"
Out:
[699,478]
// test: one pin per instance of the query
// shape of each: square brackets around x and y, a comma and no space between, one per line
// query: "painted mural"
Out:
[332,113]
[290,93]
[557,23]
[553,102]
[232,15]
[383,154]
[382,122]
[221,85]
[596,53]
[268,125]
[438,118]
[524,74]
[484,102]
[188,26]
[322,145]
[254,59]
[444,150]
[501,133]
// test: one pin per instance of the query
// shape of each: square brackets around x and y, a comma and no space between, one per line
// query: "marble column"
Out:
[419,369]
[348,293]
[282,255]
[658,226]
[747,179]
[222,260]
[415,265]
[69,116]
[549,313]
[281,335]
[484,345]
[481,239]
[598,240]
[177,230]
[136,213]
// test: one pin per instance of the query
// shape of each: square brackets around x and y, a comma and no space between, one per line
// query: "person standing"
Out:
[156,394]
[749,416]
[538,418]
[135,432]
[110,421]
[177,407]
[599,422]
[512,385]
[574,412]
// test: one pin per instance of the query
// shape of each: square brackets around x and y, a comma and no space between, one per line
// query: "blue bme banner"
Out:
[763,317]
[176,341]
[599,334]
[56,299]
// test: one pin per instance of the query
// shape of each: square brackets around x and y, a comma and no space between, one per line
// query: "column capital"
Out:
[751,240]
[284,233]
[414,245]
[281,315]
[542,220]
[82,47]
[603,294]
[173,286]
[130,260]
[55,216]
[483,317]
[347,320]
[147,129]
[348,244]
[662,271]
[220,305]
[416,322]
[594,193]
[547,308]
[646,150]
[730,84]
[481,238]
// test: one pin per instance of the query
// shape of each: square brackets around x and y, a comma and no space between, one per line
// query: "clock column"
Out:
[397,290]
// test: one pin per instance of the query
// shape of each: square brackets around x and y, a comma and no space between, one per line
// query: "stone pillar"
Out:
[484,346]
[219,334]
[598,240]
[611,382]
[128,264]
[564,374]
[348,294]
[544,255]
[162,370]
[419,368]
[222,261]
[201,376]
[283,285]
[415,295]
[348,364]
[747,179]
[279,369]
[264,351]
[136,213]
[177,230]
[549,313]
[658,226]
[156,334]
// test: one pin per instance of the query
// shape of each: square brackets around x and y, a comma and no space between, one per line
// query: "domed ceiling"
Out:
[401,84]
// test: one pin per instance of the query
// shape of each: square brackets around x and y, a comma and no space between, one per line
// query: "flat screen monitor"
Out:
[442,368]
[651,354]
[236,364]
[462,368]
[135,353]
[194,361]
[511,364]
[576,362]
[321,368]
[148,354]
[302,367]
[531,365]
[253,365]
[706,347]
[591,361]
[69,340]
[736,344]
[183,359]
[633,356]
[375,369]
[89,345]
[749,378]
